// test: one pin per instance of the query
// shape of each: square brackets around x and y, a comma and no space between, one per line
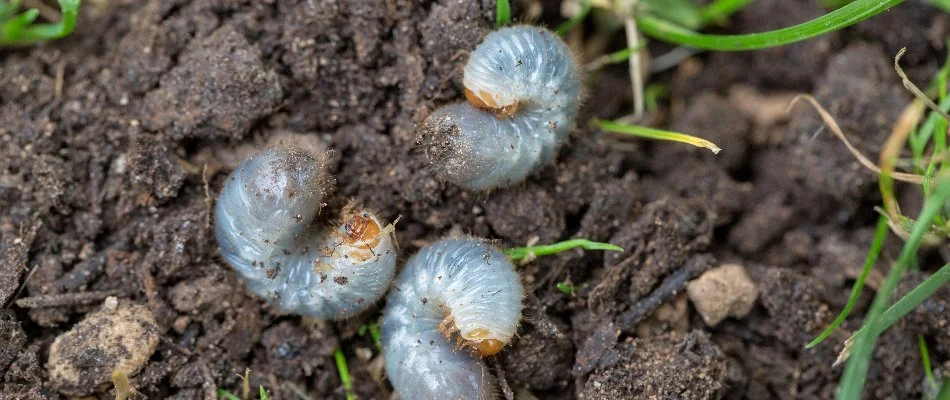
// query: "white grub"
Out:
[264,223]
[454,302]
[524,91]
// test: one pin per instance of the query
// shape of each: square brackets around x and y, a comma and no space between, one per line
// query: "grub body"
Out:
[524,91]
[455,301]
[264,223]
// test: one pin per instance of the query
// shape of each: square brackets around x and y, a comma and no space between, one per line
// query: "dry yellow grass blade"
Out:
[891,150]
[836,130]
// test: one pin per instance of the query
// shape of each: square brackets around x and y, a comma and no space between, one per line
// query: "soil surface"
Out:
[115,141]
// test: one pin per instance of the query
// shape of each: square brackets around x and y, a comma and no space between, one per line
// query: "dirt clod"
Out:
[121,337]
[541,358]
[219,88]
[105,135]
[725,291]
[518,214]
[12,338]
[663,367]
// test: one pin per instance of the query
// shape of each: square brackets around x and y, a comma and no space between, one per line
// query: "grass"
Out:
[717,11]
[879,236]
[372,328]
[857,11]
[344,371]
[224,394]
[502,13]
[925,359]
[523,255]
[855,373]
[517,254]
[930,223]
[944,391]
[245,389]
[576,20]
[656,134]
[929,226]
[677,22]
[566,288]
[19,29]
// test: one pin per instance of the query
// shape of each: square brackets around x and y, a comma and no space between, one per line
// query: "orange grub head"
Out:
[485,101]
[362,231]
[479,341]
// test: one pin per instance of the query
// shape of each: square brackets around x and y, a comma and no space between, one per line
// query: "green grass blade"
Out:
[502,13]
[925,359]
[941,4]
[40,32]
[11,30]
[855,373]
[652,94]
[879,235]
[912,299]
[835,20]
[565,288]
[344,371]
[372,328]
[375,333]
[620,56]
[7,9]
[576,20]
[926,132]
[719,10]
[681,12]
[520,253]
[224,394]
[657,134]
[945,390]
[263,393]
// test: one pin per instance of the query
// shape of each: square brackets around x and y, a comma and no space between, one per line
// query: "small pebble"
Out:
[120,336]
[722,292]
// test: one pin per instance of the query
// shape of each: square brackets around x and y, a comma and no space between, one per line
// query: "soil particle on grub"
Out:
[725,291]
[118,337]
[219,88]
[662,367]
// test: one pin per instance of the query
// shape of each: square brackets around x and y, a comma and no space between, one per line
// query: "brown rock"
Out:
[120,336]
[722,292]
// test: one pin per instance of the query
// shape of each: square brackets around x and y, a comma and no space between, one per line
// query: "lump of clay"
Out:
[722,292]
[120,336]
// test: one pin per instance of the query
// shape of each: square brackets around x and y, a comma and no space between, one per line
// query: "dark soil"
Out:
[115,141]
